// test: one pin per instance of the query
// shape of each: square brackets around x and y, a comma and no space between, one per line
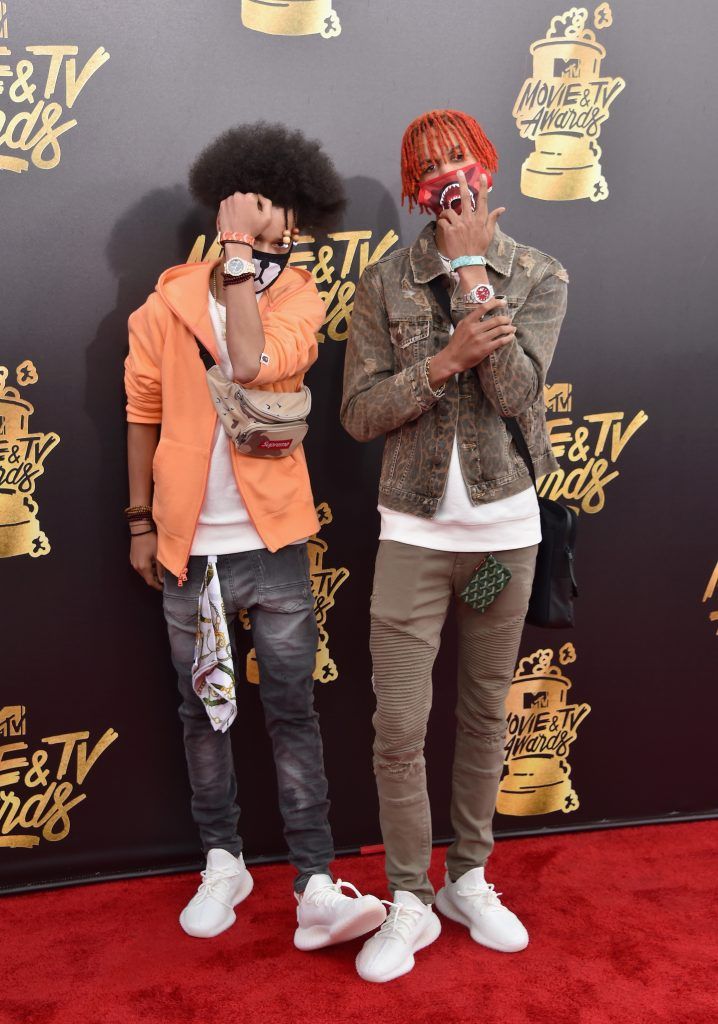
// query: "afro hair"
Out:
[283,165]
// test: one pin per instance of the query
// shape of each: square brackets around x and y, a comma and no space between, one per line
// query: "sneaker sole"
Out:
[228,921]
[430,934]
[318,936]
[446,907]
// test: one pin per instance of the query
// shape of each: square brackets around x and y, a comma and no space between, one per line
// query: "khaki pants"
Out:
[412,590]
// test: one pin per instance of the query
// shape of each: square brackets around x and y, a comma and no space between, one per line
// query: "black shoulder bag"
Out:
[554,586]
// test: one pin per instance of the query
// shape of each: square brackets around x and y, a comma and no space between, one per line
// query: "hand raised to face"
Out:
[470,232]
[245,213]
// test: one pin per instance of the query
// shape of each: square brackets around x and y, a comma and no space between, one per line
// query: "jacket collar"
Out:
[426,263]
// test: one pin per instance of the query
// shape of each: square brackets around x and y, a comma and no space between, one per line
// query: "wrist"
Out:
[440,370]
[477,260]
[470,277]
[237,236]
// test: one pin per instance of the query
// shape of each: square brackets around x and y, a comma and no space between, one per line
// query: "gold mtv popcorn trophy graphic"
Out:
[542,725]
[562,107]
[12,721]
[39,85]
[325,584]
[41,783]
[22,459]
[588,448]
[292,17]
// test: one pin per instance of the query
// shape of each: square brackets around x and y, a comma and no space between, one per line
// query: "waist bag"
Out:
[264,424]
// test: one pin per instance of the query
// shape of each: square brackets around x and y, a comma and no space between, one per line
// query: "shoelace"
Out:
[214,885]
[329,894]
[400,921]
[484,899]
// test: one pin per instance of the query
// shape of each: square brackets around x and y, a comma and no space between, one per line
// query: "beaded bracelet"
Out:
[138,512]
[231,279]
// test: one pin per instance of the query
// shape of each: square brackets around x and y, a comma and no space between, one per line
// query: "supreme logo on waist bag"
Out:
[274,444]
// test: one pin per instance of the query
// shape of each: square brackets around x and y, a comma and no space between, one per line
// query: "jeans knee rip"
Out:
[400,769]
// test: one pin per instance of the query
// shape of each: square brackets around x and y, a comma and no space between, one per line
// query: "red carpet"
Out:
[622,928]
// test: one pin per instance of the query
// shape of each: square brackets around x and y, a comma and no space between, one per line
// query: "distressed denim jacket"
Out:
[397,324]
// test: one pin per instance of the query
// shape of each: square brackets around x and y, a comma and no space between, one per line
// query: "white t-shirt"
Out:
[224,526]
[457,525]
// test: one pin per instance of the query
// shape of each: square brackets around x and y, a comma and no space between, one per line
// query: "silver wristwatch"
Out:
[480,294]
[237,267]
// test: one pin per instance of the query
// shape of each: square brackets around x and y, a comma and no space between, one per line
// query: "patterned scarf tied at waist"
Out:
[213,670]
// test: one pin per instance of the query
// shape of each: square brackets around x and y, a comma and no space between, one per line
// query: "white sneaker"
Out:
[326,916]
[225,883]
[390,953]
[473,902]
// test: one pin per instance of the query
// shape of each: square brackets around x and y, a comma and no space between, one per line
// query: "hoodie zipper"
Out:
[182,577]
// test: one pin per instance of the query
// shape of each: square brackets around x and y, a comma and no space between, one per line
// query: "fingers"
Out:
[482,204]
[505,332]
[497,343]
[494,216]
[467,206]
[496,304]
[147,571]
[484,308]
[449,217]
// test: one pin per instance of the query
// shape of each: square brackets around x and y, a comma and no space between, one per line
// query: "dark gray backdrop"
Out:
[84,645]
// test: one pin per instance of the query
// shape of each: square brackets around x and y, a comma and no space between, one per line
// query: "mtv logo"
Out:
[570,68]
[536,700]
[12,721]
[558,397]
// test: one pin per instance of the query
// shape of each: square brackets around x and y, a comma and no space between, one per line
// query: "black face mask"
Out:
[269,265]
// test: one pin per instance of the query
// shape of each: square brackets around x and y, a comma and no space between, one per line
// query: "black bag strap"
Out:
[442,297]
[204,354]
[514,429]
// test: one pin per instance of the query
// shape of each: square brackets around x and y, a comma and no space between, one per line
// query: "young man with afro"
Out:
[218,531]
[459,514]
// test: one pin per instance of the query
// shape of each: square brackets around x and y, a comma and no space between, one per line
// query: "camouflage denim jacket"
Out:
[397,323]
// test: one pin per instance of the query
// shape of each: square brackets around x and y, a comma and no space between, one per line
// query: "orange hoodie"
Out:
[165,381]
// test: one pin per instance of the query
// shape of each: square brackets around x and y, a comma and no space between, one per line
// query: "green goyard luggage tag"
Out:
[487,581]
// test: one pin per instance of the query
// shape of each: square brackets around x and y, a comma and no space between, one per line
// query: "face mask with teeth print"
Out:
[444,192]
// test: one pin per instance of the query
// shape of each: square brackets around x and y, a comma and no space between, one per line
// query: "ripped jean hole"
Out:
[399,769]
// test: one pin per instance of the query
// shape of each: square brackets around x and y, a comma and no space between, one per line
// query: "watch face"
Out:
[235,266]
[483,293]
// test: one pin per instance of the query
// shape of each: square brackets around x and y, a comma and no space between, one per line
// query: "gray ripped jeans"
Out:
[275,590]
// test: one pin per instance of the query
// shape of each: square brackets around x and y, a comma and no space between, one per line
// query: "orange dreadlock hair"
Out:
[437,126]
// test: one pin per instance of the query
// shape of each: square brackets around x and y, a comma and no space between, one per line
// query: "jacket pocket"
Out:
[410,339]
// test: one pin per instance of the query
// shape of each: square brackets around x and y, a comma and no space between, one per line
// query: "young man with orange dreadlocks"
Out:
[459,514]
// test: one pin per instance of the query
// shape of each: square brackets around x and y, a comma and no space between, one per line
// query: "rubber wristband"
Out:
[468,261]
[236,236]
